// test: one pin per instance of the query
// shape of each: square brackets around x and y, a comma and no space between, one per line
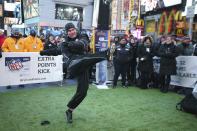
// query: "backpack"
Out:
[188,104]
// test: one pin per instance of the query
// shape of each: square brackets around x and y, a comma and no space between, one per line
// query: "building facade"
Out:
[49,14]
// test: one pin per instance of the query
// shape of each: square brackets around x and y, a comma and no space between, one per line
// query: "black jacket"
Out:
[123,55]
[77,59]
[71,47]
[186,49]
[134,49]
[168,54]
[145,55]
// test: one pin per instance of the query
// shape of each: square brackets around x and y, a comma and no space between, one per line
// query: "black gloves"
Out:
[50,52]
[76,46]
[42,53]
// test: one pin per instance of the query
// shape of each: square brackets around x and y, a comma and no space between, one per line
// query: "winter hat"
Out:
[69,26]
[32,31]
[123,38]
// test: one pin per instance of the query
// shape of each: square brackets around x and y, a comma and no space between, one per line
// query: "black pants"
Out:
[165,81]
[82,88]
[120,69]
[131,73]
[79,64]
[155,78]
[145,79]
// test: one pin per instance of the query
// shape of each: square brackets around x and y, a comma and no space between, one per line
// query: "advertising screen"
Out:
[30,8]
[150,5]
[67,12]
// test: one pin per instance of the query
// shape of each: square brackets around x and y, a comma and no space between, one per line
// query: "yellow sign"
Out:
[179,32]
[150,26]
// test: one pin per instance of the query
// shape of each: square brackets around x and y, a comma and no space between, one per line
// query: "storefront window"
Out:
[66,12]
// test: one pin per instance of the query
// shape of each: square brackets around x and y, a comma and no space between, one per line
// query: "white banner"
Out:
[27,68]
[101,72]
[186,72]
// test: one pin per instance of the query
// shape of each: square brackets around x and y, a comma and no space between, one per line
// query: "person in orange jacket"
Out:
[14,43]
[33,43]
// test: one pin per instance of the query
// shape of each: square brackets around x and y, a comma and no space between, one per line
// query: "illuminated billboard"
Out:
[150,5]
[30,8]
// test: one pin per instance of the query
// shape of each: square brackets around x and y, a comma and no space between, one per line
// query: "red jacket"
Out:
[2,39]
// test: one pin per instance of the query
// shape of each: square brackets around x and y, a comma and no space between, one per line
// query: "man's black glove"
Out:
[76,46]
[50,52]
[42,53]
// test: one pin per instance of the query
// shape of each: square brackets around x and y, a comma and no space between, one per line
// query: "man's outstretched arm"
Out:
[51,52]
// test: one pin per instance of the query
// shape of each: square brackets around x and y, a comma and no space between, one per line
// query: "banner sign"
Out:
[156,64]
[186,71]
[101,40]
[27,68]
[101,44]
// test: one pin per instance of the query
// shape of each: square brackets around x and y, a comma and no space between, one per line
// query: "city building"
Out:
[11,15]
[47,15]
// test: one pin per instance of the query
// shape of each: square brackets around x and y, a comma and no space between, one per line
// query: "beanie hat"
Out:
[69,26]
[32,31]
[123,38]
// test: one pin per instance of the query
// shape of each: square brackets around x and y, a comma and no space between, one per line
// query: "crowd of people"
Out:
[127,53]
[130,55]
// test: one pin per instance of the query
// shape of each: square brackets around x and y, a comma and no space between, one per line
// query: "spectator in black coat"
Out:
[156,75]
[168,52]
[122,57]
[145,66]
[186,47]
[131,73]
[50,43]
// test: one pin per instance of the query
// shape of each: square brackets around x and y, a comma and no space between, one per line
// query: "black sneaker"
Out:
[69,116]
[8,87]
[21,86]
